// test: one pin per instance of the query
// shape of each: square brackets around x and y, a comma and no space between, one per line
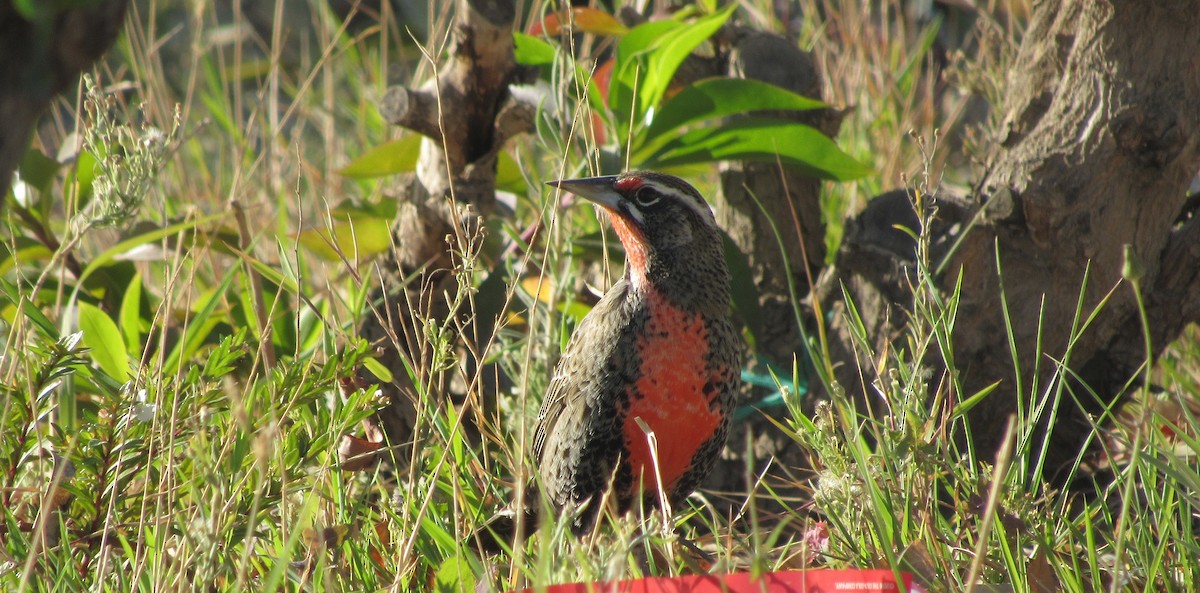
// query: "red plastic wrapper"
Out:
[799,581]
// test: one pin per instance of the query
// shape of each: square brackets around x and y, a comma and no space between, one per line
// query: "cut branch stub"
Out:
[458,113]
[414,109]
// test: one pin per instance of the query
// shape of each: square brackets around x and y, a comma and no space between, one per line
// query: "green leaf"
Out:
[508,174]
[965,406]
[27,251]
[670,51]
[29,310]
[532,51]
[381,372]
[199,326]
[764,140]
[355,234]
[721,97]
[390,158]
[154,234]
[131,314]
[38,170]
[101,335]
[455,575]
[626,71]
[86,165]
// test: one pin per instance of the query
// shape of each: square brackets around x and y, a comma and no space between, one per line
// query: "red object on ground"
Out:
[799,581]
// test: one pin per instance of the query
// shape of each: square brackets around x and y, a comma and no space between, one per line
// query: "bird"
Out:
[660,354]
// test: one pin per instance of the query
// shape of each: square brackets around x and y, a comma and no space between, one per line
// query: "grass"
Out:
[193,436]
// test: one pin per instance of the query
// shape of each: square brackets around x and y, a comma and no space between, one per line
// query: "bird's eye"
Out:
[646,196]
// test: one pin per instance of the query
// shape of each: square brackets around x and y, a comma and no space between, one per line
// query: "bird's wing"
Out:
[597,333]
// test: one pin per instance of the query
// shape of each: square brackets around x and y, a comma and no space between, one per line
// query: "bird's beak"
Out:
[597,189]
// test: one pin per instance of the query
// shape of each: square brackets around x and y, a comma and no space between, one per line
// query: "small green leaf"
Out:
[966,405]
[101,335]
[721,97]
[764,140]
[532,51]
[390,158]
[131,314]
[575,310]
[381,372]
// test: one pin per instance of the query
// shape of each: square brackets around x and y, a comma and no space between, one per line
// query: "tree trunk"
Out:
[466,116]
[38,59]
[1101,138]
[756,200]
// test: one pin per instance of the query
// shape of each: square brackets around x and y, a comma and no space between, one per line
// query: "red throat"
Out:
[635,246]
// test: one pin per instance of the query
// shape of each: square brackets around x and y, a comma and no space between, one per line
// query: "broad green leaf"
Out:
[575,310]
[151,235]
[390,158]
[29,310]
[355,236]
[532,51]
[626,71]
[83,176]
[762,140]
[101,335]
[131,314]
[670,51]
[455,575]
[27,251]
[721,97]
[38,170]
[508,174]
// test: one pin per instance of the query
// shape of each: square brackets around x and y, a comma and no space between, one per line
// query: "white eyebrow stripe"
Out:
[699,207]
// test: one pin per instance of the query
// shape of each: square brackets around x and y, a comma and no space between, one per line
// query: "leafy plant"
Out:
[648,122]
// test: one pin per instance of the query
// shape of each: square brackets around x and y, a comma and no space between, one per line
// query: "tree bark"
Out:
[1100,140]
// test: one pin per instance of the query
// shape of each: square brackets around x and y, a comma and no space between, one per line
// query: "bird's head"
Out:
[665,225]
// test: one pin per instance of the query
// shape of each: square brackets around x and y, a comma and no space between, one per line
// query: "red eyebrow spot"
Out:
[628,184]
